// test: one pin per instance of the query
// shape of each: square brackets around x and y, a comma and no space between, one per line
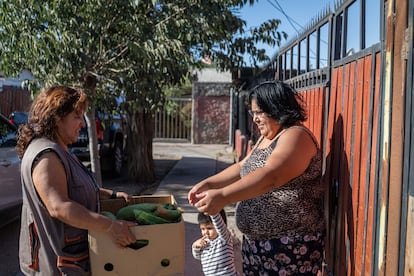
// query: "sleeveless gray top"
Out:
[47,245]
[294,208]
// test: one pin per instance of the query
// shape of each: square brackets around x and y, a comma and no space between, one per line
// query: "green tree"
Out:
[64,42]
[132,47]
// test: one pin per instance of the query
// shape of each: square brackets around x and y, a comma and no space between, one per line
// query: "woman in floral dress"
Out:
[277,187]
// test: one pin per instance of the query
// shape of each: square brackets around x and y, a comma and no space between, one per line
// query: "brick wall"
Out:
[211,112]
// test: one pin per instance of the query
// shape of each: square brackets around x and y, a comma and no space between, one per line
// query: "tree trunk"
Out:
[93,145]
[89,85]
[140,132]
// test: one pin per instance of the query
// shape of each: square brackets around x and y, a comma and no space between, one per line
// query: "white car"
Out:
[10,185]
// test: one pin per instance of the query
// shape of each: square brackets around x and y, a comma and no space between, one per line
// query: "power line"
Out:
[291,21]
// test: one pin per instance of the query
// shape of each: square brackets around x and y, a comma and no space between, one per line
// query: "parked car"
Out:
[10,186]
[111,140]
[18,117]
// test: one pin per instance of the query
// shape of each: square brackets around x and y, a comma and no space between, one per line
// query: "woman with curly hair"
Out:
[60,196]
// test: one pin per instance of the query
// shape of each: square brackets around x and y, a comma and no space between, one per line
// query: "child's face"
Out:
[208,231]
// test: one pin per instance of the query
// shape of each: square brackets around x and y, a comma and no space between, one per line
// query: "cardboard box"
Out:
[164,254]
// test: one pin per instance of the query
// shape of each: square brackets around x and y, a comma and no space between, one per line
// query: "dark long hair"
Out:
[51,104]
[279,101]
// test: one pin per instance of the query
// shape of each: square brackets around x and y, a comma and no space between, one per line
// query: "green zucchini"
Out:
[127,212]
[169,206]
[145,218]
[173,215]
[138,244]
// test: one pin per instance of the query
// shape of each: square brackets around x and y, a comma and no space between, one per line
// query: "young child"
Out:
[215,247]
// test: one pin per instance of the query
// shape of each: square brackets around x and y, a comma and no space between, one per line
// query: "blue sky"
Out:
[299,12]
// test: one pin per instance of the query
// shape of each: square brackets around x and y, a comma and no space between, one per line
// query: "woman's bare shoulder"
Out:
[298,138]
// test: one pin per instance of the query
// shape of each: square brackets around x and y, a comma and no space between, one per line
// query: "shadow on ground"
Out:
[122,183]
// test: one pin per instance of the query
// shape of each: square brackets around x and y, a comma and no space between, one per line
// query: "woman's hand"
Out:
[124,195]
[120,233]
[193,194]
[220,180]
[210,201]
[111,194]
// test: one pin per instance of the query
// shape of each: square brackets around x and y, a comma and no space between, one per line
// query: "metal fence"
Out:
[173,121]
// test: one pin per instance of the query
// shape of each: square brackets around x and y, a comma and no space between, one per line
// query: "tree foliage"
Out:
[127,46]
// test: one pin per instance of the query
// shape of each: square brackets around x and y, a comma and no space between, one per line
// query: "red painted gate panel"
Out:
[350,142]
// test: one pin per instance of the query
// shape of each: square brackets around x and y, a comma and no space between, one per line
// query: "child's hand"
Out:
[200,243]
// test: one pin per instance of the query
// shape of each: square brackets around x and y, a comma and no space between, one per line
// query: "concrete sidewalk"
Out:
[196,163]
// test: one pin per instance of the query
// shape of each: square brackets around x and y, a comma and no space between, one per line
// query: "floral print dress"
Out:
[283,230]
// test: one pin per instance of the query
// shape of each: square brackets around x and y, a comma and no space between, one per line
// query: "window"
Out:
[303,64]
[353,30]
[313,49]
[372,22]
[288,64]
[8,135]
[295,58]
[323,46]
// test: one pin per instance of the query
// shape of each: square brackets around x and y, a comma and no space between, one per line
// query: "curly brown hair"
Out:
[51,104]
